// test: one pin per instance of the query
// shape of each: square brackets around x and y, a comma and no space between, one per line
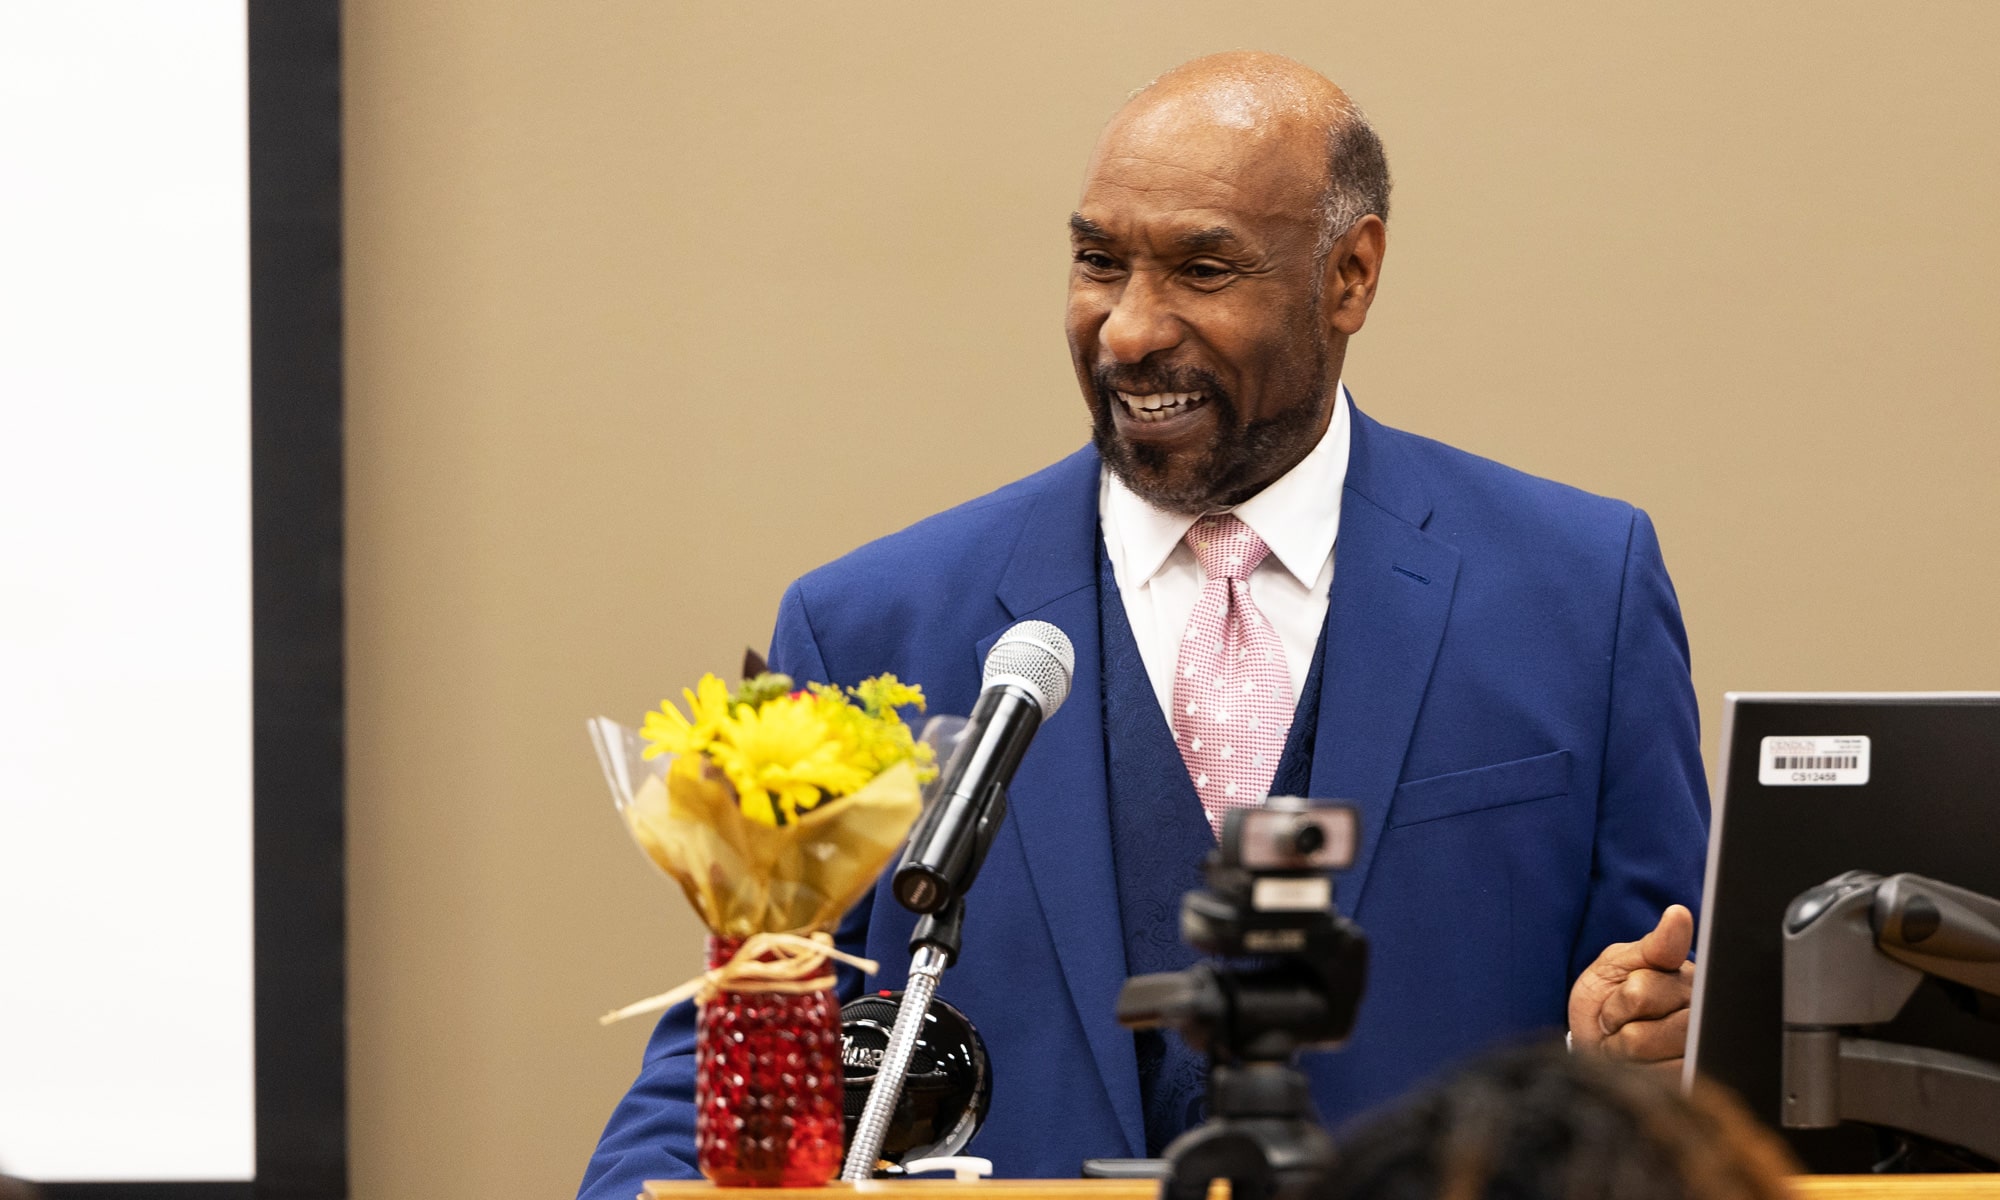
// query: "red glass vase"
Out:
[767,1085]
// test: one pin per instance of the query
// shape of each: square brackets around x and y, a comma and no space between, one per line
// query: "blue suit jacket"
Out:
[1506,701]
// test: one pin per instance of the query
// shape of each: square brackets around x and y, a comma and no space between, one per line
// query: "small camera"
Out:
[1290,834]
[1269,891]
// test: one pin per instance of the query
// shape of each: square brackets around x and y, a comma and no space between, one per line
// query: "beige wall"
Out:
[655,305]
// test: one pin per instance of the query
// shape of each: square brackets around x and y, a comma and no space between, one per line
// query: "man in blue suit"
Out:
[1490,667]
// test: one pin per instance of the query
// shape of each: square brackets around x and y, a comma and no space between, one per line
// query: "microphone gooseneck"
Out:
[926,965]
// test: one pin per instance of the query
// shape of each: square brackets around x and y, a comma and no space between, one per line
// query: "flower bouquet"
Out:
[774,808]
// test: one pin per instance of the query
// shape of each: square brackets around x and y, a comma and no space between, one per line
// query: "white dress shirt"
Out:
[1298,516]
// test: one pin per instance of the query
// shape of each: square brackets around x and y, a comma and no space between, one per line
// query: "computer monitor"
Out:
[1815,784]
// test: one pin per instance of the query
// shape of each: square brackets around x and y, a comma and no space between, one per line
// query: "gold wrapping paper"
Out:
[744,878]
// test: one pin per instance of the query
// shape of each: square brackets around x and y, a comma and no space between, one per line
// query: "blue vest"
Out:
[1159,837]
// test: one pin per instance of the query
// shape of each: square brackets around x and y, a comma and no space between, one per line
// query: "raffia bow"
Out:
[797,965]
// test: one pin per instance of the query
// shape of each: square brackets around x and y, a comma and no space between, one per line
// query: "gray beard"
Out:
[1234,469]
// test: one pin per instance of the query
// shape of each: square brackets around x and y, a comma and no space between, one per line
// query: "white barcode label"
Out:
[1812,761]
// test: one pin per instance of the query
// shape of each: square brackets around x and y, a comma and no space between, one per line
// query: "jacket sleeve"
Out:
[651,1133]
[1652,809]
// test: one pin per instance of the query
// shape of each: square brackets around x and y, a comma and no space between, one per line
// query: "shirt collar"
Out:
[1298,515]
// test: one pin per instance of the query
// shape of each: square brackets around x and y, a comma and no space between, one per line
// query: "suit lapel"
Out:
[1392,592]
[1061,813]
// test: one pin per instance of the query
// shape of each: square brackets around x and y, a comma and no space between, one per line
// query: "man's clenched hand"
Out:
[1632,1003]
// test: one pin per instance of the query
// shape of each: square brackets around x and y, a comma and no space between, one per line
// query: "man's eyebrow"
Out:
[1198,240]
[1083,227]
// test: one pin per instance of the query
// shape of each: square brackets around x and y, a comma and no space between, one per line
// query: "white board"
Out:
[125,770]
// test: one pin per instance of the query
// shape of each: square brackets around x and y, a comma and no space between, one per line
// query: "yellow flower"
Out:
[882,695]
[668,732]
[872,736]
[784,756]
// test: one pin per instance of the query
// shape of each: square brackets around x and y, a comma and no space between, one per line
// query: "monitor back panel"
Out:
[1931,805]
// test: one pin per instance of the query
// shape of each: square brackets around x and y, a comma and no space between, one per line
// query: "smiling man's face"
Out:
[1198,318]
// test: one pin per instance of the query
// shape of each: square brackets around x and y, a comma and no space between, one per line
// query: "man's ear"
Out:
[1353,269]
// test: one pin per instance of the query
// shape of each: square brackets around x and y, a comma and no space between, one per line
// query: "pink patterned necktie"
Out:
[1232,693]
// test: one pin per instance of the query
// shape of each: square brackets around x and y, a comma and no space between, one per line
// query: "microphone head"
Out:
[1038,657]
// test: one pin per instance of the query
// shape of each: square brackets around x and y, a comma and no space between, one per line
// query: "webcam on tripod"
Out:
[1285,974]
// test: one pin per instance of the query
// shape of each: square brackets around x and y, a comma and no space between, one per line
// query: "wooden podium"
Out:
[1808,1187]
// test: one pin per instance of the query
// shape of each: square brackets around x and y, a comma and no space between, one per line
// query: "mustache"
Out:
[1144,378]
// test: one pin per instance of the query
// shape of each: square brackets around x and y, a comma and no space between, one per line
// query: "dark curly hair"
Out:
[1542,1124]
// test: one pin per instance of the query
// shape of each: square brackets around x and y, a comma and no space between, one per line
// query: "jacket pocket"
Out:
[1480,788]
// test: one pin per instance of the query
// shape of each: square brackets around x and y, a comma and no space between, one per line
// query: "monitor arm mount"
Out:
[1855,949]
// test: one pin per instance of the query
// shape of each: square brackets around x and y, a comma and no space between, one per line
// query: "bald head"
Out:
[1246,85]
[1296,125]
